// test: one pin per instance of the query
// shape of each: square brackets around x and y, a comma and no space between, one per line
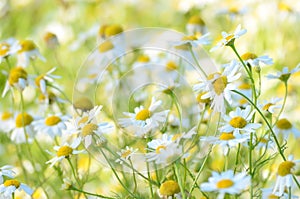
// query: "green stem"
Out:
[237,157]
[199,66]
[283,104]
[134,178]
[180,182]
[73,171]
[250,163]
[88,193]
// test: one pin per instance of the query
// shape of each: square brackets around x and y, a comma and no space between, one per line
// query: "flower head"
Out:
[28,52]
[10,186]
[17,78]
[285,74]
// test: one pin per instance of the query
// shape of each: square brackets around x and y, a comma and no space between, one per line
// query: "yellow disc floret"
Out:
[6,115]
[196,20]
[4,48]
[226,136]
[105,46]
[285,168]
[238,122]
[126,153]
[200,100]
[143,115]
[143,59]
[160,148]
[284,124]
[23,120]
[38,79]
[225,183]
[169,188]
[89,129]
[220,84]
[14,183]
[52,120]
[171,66]
[27,45]
[113,30]
[248,55]
[15,74]
[64,151]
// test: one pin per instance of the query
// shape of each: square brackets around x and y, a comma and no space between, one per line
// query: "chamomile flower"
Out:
[239,121]
[52,125]
[65,151]
[27,52]
[7,121]
[268,194]
[226,182]
[192,41]
[11,186]
[285,74]
[168,189]
[226,141]
[51,40]
[196,25]
[264,143]
[17,78]
[6,170]
[254,60]
[42,80]
[229,38]
[284,175]
[23,130]
[144,120]
[218,86]
[271,105]
[8,47]
[285,127]
[125,154]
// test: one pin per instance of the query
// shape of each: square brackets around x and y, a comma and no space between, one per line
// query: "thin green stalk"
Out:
[250,163]
[237,157]
[134,178]
[150,184]
[199,66]
[88,193]
[73,171]
[283,104]
[180,182]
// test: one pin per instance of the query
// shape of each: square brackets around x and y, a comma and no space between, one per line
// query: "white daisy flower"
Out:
[226,141]
[144,120]
[254,60]
[41,80]
[229,38]
[27,52]
[226,182]
[284,176]
[8,47]
[239,121]
[285,127]
[192,41]
[17,78]
[65,151]
[52,125]
[125,154]
[218,86]
[271,105]
[23,131]
[285,74]
[268,194]
[11,186]
[7,122]
[196,25]
[51,40]
[264,143]
[6,170]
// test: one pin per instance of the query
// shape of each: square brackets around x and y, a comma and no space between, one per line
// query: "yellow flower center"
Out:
[84,104]
[243,101]
[14,183]
[169,188]
[225,183]
[26,45]
[83,120]
[171,66]
[267,106]
[52,120]
[263,140]
[89,129]
[226,136]
[200,100]
[160,148]
[6,115]
[233,9]
[238,122]
[176,136]
[143,115]
[125,153]
[220,84]
[113,30]
[283,124]
[143,59]
[196,20]
[4,48]
[244,86]
[284,7]
[101,30]
[272,196]
[15,74]
[23,120]
[189,38]
[49,36]
[51,97]
[285,168]
[38,79]
[64,151]
[248,55]
[105,46]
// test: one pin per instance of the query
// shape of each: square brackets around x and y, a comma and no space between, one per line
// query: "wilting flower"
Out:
[41,80]
[226,182]
[27,52]
[285,74]
[8,47]
[229,38]
[17,78]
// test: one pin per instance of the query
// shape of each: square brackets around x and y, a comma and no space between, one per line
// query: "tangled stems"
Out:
[270,128]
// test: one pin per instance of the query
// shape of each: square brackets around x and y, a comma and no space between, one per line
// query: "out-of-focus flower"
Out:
[7,121]
[144,120]
[218,86]
[168,189]
[65,151]
[17,78]
[27,52]
[284,176]
[226,182]
[239,121]
[285,74]
[41,80]
[23,131]
[285,127]
[268,194]
[51,40]
[8,47]
[6,170]
[271,105]
[254,60]
[125,154]
[192,41]
[11,186]
[229,38]
[196,25]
